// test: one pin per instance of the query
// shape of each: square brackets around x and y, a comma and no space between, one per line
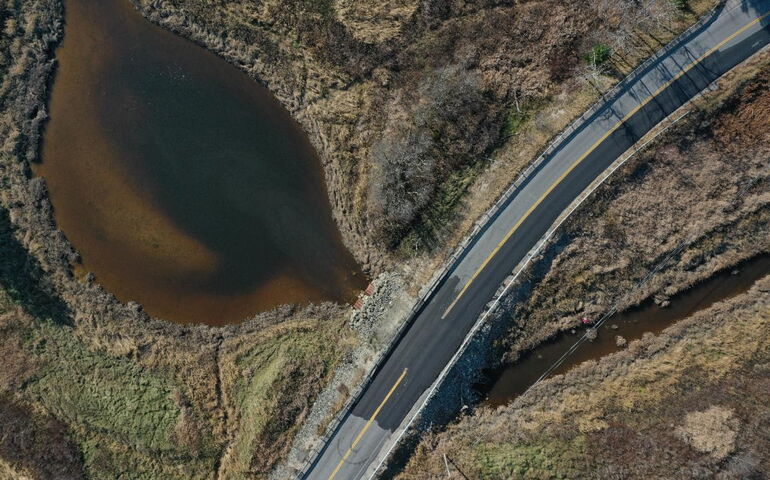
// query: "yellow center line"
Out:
[368,424]
[592,148]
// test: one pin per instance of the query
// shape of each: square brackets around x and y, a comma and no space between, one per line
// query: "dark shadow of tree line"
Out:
[20,276]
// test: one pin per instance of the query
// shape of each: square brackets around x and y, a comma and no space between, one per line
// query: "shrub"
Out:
[402,179]
[449,126]
[598,55]
[681,4]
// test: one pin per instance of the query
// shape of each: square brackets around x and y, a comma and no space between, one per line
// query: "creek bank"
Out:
[632,414]
[651,317]
[185,357]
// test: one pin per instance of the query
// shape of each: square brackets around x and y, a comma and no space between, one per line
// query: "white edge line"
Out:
[530,255]
[537,249]
[497,205]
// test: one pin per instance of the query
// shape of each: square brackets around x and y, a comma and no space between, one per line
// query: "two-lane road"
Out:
[415,364]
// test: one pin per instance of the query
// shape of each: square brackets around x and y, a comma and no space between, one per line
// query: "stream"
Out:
[507,383]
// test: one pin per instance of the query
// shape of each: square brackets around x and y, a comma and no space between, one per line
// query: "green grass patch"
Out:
[598,55]
[264,381]
[517,118]
[548,458]
[106,459]
[253,396]
[681,4]
[102,394]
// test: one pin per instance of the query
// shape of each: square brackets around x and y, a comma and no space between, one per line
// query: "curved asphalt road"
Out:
[399,387]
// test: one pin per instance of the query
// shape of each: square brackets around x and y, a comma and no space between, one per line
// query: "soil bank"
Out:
[511,381]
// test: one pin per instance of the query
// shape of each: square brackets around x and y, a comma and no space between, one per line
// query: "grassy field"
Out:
[119,417]
[92,388]
[272,385]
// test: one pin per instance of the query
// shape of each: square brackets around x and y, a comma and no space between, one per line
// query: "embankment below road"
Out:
[703,185]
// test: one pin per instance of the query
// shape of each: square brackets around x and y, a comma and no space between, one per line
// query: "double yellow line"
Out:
[533,207]
[368,424]
[592,148]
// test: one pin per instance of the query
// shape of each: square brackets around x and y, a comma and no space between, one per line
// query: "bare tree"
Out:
[446,124]
[402,178]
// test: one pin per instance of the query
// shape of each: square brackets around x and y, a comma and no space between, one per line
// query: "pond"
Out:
[184,184]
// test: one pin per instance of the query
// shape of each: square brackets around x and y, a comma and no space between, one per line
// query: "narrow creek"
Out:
[184,184]
[509,382]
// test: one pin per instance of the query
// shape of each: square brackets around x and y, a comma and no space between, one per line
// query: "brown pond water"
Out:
[183,184]
[509,382]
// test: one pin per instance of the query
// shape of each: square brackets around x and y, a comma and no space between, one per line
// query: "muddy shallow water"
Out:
[183,184]
[509,382]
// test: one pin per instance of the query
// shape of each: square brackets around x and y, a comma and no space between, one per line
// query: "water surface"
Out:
[509,382]
[184,184]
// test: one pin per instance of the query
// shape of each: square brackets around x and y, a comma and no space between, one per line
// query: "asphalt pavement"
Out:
[414,365]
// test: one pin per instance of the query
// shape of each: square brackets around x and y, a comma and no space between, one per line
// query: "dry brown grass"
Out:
[703,183]
[36,443]
[116,391]
[544,117]
[352,73]
[689,403]
[621,417]
[161,401]
[711,431]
